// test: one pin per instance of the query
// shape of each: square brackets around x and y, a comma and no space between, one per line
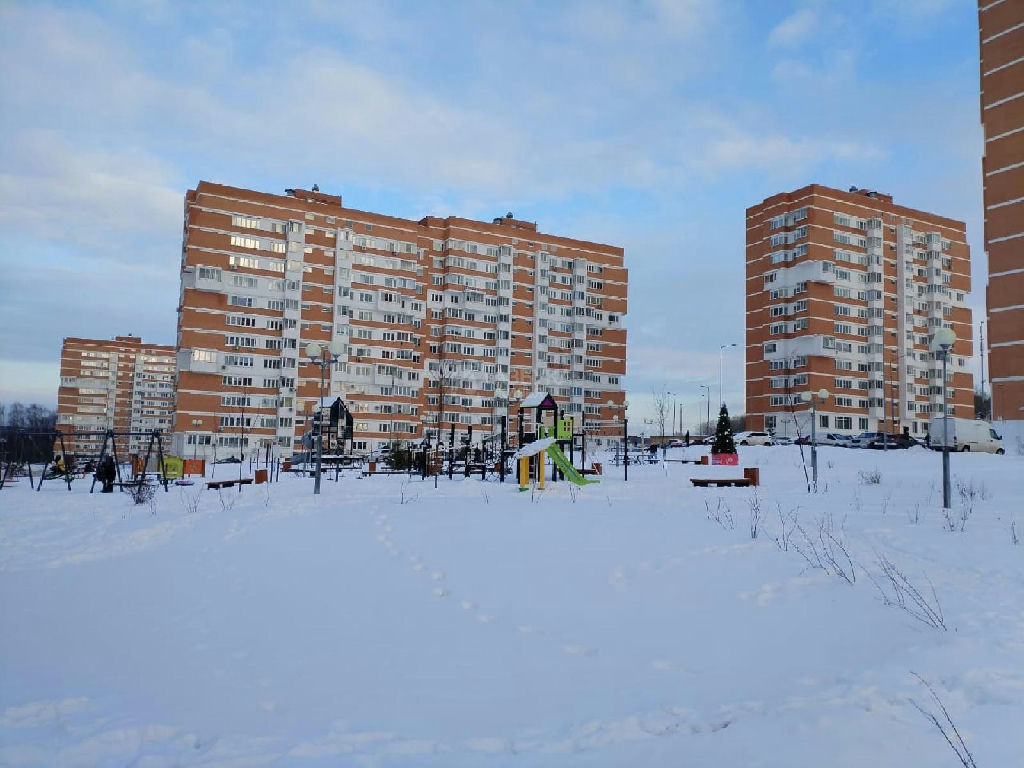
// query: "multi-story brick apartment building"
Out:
[439,320]
[122,384]
[1001,25]
[844,290]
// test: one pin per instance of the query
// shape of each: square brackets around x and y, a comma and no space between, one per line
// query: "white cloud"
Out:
[89,198]
[794,29]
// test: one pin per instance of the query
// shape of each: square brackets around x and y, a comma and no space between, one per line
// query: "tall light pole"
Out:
[942,342]
[196,423]
[707,394]
[814,398]
[324,357]
[721,354]
[625,437]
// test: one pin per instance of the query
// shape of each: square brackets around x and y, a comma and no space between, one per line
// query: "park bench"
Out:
[704,482]
[751,476]
[218,484]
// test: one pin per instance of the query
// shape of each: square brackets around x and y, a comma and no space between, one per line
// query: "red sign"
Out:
[730,459]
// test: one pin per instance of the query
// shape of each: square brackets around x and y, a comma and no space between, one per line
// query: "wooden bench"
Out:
[218,484]
[751,476]
[738,482]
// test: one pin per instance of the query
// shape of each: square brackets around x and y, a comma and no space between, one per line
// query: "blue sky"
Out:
[650,125]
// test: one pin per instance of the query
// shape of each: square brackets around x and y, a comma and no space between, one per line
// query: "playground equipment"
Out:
[451,449]
[24,442]
[531,464]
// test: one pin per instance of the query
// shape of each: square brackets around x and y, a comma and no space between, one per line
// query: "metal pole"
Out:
[886,401]
[319,429]
[814,445]
[981,353]
[625,448]
[721,353]
[945,437]
[501,458]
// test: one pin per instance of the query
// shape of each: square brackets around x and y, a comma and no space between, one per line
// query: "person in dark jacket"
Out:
[107,473]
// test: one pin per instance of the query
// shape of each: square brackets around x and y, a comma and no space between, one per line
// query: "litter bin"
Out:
[261,476]
[753,474]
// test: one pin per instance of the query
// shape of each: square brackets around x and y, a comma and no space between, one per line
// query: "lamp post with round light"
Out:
[942,343]
[324,357]
[814,398]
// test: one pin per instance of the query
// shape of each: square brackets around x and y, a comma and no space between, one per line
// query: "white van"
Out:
[966,435]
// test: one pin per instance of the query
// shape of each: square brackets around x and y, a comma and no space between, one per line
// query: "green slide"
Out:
[562,462]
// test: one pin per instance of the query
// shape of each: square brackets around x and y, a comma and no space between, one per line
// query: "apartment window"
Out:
[246,222]
[244,242]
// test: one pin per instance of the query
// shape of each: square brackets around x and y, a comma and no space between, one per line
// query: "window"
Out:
[246,222]
[244,242]
[844,422]
[823,420]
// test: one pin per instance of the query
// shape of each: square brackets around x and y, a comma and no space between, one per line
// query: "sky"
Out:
[649,125]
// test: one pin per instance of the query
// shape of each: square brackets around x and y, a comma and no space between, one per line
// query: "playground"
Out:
[390,622]
[545,448]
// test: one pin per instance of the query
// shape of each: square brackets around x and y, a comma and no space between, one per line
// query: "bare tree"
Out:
[662,407]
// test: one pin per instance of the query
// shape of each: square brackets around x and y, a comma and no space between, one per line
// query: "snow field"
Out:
[389,623]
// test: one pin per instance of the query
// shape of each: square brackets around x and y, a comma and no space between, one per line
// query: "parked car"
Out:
[782,440]
[827,438]
[675,443]
[966,435]
[752,438]
[861,440]
[836,439]
[881,440]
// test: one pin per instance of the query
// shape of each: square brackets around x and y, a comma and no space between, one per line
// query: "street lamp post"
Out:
[942,342]
[196,423]
[324,357]
[625,438]
[707,394]
[814,398]
[721,354]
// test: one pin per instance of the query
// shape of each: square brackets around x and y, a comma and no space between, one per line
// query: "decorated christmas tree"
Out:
[723,434]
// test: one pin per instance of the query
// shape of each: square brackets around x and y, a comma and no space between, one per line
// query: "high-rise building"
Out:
[1001,25]
[122,384]
[844,290]
[437,321]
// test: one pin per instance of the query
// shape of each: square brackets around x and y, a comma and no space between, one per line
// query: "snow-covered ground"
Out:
[391,623]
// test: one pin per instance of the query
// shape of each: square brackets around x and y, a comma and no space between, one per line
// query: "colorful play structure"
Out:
[532,465]
[552,432]
[543,447]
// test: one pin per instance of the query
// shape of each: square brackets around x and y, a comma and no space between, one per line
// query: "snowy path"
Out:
[389,623]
